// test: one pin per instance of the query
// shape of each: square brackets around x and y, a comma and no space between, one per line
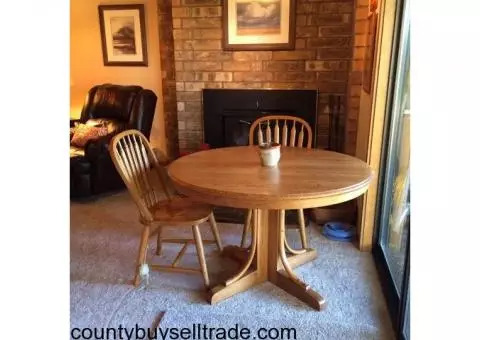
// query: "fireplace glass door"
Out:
[236,130]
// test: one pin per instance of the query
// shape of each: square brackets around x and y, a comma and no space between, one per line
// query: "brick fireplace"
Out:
[328,58]
[320,61]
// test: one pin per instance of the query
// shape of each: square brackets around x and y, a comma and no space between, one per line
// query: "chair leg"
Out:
[246,227]
[142,251]
[216,234]
[201,254]
[301,223]
[159,241]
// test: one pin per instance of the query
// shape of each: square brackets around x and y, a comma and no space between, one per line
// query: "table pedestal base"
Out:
[266,260]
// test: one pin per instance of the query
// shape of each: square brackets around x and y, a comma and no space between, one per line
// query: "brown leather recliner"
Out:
[119,108]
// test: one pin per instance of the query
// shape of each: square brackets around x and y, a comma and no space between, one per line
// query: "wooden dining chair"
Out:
[285,133]
[158,204]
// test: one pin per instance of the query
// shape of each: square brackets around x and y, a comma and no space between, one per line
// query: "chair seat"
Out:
[181,211]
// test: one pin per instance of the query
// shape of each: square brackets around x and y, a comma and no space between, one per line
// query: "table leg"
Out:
[300,291]
[297,260]
[222,292]
[285,278]
[266,260]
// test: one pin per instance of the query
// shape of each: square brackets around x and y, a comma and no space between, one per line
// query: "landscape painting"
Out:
[259,25]
[258,17]
[123,35]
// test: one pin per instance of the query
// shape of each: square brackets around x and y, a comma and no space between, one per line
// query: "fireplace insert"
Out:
[228,113]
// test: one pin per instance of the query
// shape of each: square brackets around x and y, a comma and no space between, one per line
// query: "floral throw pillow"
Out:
[83,133]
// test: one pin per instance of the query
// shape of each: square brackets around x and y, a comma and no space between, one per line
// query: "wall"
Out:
[360,99]
[167,57]
[321,59]
[355,76]
[86,61]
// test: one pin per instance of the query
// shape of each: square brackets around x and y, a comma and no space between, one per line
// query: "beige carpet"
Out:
[104,241]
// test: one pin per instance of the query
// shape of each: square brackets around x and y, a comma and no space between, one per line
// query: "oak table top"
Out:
[304,178]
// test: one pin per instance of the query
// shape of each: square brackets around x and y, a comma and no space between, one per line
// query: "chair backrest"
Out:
[139,168]
[285,135]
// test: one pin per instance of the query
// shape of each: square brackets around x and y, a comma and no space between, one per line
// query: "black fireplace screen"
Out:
[229,113]
[236,126]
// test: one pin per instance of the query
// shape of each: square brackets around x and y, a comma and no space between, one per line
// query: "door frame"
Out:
[372,118]
[397,301]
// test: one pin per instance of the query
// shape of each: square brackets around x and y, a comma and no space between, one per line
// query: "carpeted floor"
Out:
[104,242]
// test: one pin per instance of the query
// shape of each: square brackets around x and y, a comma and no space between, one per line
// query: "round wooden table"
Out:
[304,178]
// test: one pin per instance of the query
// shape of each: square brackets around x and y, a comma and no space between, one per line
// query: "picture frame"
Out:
[256,25]
[368,67]
[123,35]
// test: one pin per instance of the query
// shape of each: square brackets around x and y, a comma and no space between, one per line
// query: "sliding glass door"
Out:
[391,249]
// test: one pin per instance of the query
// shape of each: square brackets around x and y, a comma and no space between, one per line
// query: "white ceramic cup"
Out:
[269,154]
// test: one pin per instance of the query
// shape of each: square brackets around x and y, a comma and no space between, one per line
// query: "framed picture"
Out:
[370,52]
[253,25]
[122,29]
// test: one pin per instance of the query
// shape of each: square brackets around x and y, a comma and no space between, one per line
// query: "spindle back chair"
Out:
[138,166]
[147,183]
[286,135]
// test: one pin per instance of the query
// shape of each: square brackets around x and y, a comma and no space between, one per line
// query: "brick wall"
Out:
[165,30]
[355,77]
[321,59]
